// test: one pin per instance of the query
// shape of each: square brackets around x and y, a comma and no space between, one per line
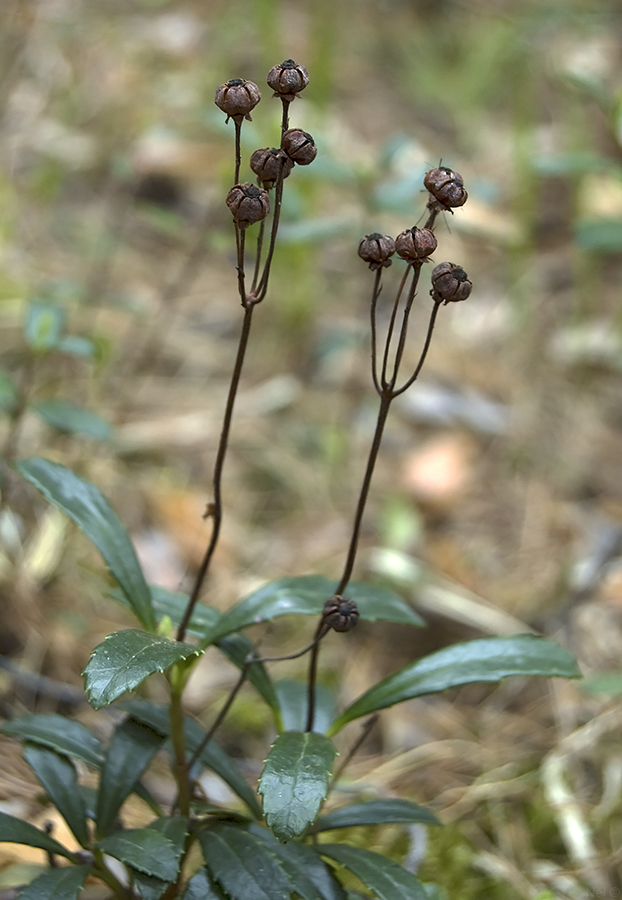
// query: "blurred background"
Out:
[497,504]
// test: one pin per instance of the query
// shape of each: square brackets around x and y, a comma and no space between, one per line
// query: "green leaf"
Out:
[600,235]
[308,874]
[213,756]
[376,812]
[56,884]
[149,887]
[8,393]
[74,345]
[124,659]
[237,648]
[306,596]
[59,733]
[60,780]
[43,325]
[15,831]
[90,510]
[295,781]
[144,849]
[71,419]
[200,887]
[293,697]
[132,747]
[488,659]
[381,875]
[243,866]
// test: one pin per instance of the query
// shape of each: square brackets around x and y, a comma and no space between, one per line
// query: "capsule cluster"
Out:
[237,98]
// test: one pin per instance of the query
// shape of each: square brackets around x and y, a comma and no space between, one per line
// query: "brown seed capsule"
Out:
[299,145]
[237,98]
[268,163]
[446,186]
[450,283]
[415,243]
[376,249]
[248,203]
[288,79]
[340,613]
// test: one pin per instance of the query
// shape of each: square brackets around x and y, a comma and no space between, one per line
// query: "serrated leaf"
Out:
[43,325]
[200,887]
[16,831]
[309,875]
[59,778]
[90,510]
[58,733]
[488,659]
[144,849]
[56,884]
[71,419]
[383,876]
[132,747]
[376,812]
[295,781]
[243,866]
[175,828]
[213,756]
[149,887]
[124,659]
[306,596]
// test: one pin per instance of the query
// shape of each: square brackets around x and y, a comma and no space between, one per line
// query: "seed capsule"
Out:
[450,283]
[376,249]
[340,613]
[446,186]
[268,163]
[416,243]
[237,98]
[299,146]
[248,204]
[288,79]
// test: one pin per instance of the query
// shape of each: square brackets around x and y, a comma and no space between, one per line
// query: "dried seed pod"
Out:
[376,249]
[299,145]
[268,163]
[450,283]
[248,203]
[340,613]
[416,243]
[237,98]
[288,79]
[446,186]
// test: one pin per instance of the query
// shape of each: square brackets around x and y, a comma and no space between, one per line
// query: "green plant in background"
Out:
[275,848]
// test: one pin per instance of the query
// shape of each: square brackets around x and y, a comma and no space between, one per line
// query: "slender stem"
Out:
[102,871]
[240,242]
[424,352]
[216,506]
[178,740]
[374,339]
[260,236]
[356,746]
[238,150]
[322,629]
[278,197]
[285,116]
[387,346]
[221,715]
[416,269]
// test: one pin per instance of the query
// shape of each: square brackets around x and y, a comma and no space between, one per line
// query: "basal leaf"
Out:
[383,876]
[90,510]
[144,849]
[244,867]
[56,884]
[306,596]
[124,659]
[132,747]
[59,733]
[488,659]
[59,778]
[213,756]
[16,831]
[295,781]
[71,419]
[376,812]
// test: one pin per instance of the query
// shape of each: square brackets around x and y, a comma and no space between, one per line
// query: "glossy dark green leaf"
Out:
[144,849]
[59,778]
[71,419]
[56,884]
[376,812]
[488,659]
[201,887]
[149,887]
[124,659]
[381,875]
[16,831]
[43,325]
[310,877]
[59,733]
[244,867]
[293,697]
[8,393]
[132,747]
[237,648]
[213,756]
[295,781]
[90,510]
[306,596]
